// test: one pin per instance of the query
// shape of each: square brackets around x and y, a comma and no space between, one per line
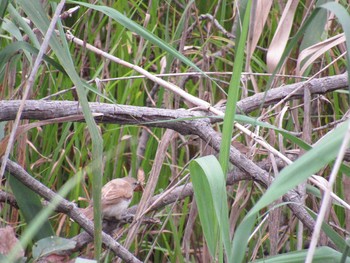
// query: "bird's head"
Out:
[136,184]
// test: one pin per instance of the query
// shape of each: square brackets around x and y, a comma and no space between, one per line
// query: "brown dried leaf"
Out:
[141,176]
[257,23]
[315,51]
[281,36]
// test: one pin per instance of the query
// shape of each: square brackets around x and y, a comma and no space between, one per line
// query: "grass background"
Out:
[147,34]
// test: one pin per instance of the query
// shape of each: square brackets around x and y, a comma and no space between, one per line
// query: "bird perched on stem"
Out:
[116,196]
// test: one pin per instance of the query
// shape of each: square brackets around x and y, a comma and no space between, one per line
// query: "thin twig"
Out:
[190,98]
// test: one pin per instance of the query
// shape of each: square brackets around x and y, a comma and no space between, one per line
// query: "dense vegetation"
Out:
[233,113]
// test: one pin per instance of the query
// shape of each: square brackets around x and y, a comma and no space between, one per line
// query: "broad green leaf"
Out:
[209,186]
[205,204]
[324,152]
[17,17]
[5,259]
[233,92]
[51,245]
[322,255]
[314,32]
[319,156]
[12,29]
[30,205]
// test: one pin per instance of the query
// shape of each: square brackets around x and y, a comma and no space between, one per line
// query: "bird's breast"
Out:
[116,210]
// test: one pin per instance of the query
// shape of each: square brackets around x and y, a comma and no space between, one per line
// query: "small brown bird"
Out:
[115,197]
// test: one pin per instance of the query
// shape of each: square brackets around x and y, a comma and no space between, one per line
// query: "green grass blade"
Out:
[322,255]
[134,27]
[323,153]
[17,17]
[206,210]
[338,241]
[3,8]
[209,186]
[60,46]
[314,32]
[284,133]
[177,34]
[11,49]
[344,19]
[30,205]
[233,93]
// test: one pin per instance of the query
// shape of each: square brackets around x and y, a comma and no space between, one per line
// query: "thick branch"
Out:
[292,91]
[105,113]
[121,114]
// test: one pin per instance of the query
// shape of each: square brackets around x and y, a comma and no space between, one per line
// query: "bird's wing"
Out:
[116,190]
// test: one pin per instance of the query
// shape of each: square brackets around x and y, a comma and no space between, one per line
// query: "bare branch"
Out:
[42,110]
[292,91]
